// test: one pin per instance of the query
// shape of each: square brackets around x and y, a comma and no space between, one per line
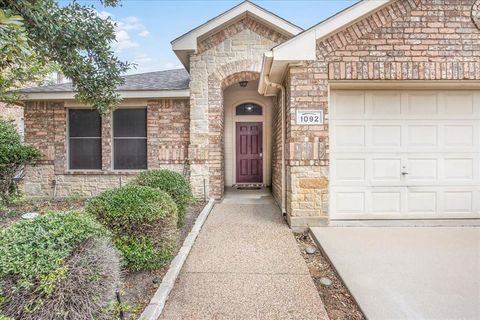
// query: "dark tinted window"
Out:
[130,139]
[85,142]
[248,109]
[130,123]
[84,123]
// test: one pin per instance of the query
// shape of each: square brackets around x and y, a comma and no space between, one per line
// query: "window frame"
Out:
[68,137]
[112,144]
[248,115]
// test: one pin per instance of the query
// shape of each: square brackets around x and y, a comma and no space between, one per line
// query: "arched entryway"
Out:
[247,136]
[227,77]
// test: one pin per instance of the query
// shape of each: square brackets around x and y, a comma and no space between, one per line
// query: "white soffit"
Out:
[303,46]
[187,43]
[123,95]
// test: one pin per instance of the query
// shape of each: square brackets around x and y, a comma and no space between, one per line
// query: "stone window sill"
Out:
[102,172]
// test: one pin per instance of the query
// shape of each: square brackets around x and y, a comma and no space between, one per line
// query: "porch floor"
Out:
[245,264]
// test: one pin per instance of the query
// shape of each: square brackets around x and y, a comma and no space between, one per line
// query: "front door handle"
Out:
[404,173]
[261,155]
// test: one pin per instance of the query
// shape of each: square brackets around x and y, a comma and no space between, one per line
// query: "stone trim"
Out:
[222,78]
[235,28]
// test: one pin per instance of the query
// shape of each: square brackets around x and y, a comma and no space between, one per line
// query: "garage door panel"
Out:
[386,170]
[386,202]
[422,203]
[422,135]
[350,135]
[459,104]
[424,104]
[458,169]
[459,135]
[386,135]
[349,202]
[351,103]
[422,170]
[458,202]
[405,155]
[383,103]
[352,170]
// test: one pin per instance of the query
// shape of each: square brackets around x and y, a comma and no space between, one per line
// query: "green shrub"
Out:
[58,266]
[172,183]
[13,155]
[143,221]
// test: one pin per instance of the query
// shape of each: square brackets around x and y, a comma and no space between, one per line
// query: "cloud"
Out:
[130,23]
[123,27]
[104,15]
[144,33]
[124,41]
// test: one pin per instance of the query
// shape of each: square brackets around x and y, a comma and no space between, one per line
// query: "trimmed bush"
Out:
[13,155]
[143,221]
[172,183]
[58,266]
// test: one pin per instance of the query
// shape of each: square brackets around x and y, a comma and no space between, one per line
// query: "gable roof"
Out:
[157,83]
[186,44]
[303,46]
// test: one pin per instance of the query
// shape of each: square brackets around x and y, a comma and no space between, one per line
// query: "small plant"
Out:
[13,155]
[143,221]
[58,266]
[73,198]
[172,183]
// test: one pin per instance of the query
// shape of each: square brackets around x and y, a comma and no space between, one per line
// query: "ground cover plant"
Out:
[173,183]
[57,266]
[143,222]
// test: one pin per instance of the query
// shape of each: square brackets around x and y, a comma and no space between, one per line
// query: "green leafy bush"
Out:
[172,183]
[13,155]
[58,266]
[143,221]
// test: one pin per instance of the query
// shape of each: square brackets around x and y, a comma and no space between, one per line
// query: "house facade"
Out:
[373,114]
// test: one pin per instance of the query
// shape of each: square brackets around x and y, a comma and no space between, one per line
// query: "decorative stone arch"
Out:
[225,76]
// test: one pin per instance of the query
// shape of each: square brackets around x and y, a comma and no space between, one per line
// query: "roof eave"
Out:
[130,94]
[303,46]
[186,44]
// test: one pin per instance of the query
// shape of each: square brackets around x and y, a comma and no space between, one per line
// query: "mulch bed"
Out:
[139,287]
[338,301]
[14,211]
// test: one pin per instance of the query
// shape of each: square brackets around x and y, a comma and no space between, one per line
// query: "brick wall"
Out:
[407,40]
[46,128]
[232,54]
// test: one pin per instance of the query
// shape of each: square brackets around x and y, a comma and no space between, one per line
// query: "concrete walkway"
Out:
[245,264]
[408,272]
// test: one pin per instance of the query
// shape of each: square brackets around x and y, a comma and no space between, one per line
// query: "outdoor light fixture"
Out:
[243,83]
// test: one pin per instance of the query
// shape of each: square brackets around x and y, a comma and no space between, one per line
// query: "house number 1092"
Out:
[309,117]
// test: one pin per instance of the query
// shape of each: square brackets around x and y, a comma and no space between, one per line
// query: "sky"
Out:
[145,28]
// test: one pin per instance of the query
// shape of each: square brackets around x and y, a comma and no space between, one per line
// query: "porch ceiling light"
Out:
[243,83]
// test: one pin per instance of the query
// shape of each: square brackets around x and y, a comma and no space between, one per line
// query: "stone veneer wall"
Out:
[45,127]
[406,40]
[232,54]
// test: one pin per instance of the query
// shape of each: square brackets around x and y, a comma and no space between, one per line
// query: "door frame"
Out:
[261,123]
[265,119]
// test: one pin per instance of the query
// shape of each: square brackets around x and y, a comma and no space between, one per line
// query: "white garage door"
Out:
[404,154]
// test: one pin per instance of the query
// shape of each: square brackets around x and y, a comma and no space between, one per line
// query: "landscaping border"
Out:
[157,303]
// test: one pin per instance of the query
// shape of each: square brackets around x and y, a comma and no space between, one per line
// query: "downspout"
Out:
[282,110]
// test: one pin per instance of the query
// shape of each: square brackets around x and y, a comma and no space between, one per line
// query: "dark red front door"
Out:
[249,152]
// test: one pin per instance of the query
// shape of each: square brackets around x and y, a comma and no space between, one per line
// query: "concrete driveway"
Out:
[408,272]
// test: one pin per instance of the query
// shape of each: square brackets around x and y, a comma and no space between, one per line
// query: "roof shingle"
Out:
[176,79]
